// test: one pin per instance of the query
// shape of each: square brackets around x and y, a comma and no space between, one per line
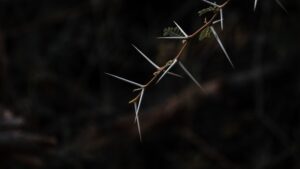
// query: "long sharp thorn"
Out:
[125,80]
[137,114]
[281,6]
[148,59]
[181,30]
[139,128]
[136,119]
[210,3]
[255,4]
[221,18]
[166,70]
[221,45]
[190,75]
[139,103]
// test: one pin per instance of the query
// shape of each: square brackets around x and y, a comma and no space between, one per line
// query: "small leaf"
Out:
[172,31]
[207,10]
[206,33]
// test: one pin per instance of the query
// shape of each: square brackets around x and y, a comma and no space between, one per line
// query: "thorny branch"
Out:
[161,71]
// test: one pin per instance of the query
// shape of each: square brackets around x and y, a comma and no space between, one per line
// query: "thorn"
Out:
[221,45]
[151,62]
[221,18]
[281,6]
[137,109]
[148,59]
[181,30]
[255,4]
[136,119]
[191,76]
[125,80]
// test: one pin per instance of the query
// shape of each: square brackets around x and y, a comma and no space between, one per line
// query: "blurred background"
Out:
[58,109]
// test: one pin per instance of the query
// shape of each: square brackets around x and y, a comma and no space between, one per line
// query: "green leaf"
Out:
[172,31]
[207,10]
[206,33]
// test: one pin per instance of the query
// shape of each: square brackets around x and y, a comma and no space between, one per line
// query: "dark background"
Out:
[59,110]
